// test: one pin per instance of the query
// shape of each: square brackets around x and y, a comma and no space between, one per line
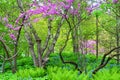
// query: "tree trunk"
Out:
[97,34]
[75,40]
[7,55]
[14,68]
[118,37]
[31,46]
[3,66]
[39,49]
[51,47]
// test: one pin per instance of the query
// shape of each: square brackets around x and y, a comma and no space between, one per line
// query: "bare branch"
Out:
[19,2]
[48,36]
[5,47]
[55,39]
[61,50]
[103,62]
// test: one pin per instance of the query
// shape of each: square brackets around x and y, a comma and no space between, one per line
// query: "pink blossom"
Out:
[79,5]
[89,10]
[49,1]
[70,1]
[67,6]
[36,20]
[20,16]
[115,1]
[62,3]
[95,5]
[52,12]
[17,28]
[74,11]
[12,36]
[93,51]
[49,8]
[89,45]
[9,26]
[5,19]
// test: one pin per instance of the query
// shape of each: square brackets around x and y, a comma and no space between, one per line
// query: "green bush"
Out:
[108,74]
[8,76]
[56,73]
[31,73]
[25,61]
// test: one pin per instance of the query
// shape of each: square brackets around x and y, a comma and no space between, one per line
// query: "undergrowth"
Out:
[56,70]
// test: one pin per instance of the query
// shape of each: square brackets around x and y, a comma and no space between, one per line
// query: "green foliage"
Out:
[105,74]
[56,70]
[56,61]
[105,7]
[55,73]
[22,63]
[97,13]
[25,61]
[8,76]
[88,29]
[31,73]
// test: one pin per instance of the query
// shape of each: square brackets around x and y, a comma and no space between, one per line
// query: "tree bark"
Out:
[31,45]
[75,40]
[118,37]
[97,34]
[51,47]
[38,41]
[7,54]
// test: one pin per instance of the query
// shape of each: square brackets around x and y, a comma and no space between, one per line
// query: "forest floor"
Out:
[56,70]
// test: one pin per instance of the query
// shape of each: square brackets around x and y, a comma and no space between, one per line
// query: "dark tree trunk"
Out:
[97,34]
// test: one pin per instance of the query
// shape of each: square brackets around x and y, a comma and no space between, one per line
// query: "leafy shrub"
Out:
[56,61]
[8,76]
[31,73]
[56,73]
[25,61]
[108,74]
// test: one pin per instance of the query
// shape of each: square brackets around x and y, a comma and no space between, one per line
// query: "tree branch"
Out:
[103,62]
[48,36]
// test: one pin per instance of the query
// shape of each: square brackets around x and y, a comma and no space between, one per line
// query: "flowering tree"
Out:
[11,46]
[51,11]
